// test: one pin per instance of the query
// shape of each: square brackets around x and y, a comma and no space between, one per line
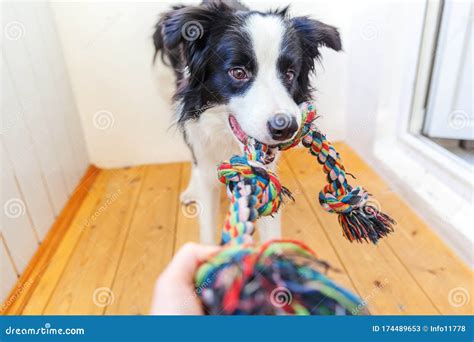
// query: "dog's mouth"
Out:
[237,130]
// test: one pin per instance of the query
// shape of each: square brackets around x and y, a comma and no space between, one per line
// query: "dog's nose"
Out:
[282,126]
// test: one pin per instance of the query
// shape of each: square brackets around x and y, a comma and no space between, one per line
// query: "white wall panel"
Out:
[57,64]
[43,153]
[17,228]
[22,152]
[51,98]
[27,87]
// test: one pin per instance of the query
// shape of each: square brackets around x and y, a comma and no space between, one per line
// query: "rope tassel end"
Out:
[366,224]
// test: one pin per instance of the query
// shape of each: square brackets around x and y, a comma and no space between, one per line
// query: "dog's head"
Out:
[257,64]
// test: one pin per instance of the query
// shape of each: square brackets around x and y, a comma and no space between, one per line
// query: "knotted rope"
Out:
[282,277]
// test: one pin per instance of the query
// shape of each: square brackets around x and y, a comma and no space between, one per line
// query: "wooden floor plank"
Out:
[149,245]
[52,271]
[440,272]
[86,281]
[380,278]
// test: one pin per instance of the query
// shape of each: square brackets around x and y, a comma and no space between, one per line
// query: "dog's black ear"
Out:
[189,25]
[314,34]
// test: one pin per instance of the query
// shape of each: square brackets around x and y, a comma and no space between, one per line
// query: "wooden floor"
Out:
[131,222]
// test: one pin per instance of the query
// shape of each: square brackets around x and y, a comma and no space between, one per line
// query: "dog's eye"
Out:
[239,74]
[289,75]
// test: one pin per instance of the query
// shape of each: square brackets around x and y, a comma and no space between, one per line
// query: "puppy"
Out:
[239,73]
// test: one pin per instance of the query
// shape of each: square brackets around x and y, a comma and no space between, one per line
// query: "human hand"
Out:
[174,292]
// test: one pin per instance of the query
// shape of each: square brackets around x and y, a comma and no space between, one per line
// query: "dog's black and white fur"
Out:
[237,70]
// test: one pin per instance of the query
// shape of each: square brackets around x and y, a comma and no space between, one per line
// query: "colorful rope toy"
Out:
[283,276]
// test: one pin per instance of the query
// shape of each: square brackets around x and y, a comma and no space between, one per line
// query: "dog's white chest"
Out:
[210,136]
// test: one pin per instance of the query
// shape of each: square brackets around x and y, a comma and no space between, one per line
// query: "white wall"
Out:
[124,102]
[43,154]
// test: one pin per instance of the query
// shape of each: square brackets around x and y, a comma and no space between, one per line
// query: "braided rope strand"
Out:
[359,220]
[253,190]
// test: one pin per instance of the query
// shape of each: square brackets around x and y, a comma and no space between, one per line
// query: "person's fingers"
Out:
[187,259]
[174,289]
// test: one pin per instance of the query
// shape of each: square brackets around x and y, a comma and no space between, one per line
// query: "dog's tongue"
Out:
[238,132]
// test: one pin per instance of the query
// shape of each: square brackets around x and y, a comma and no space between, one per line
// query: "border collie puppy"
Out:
[239,73]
